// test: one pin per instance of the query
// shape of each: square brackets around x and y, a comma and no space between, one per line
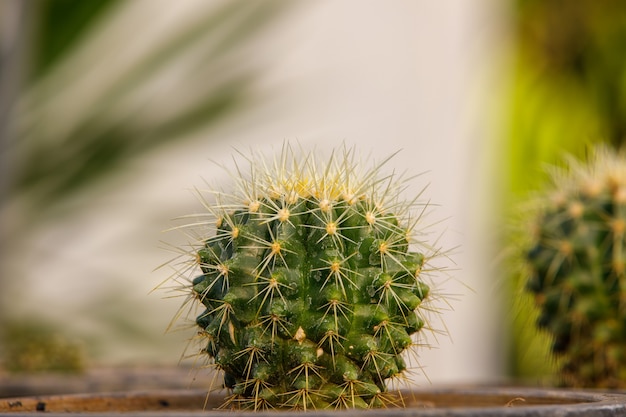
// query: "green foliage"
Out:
[60,25]
[35,346]
[576,259]
[310,287]
[65,140]
[573,48]
[94,86]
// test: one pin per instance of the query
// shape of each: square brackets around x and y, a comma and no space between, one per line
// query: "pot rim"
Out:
[424,402]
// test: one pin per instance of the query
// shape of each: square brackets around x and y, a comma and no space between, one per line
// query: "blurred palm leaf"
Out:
[109,81]
[121,78]
[59,26]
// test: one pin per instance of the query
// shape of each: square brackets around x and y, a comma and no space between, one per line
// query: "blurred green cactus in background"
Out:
[568,91]
[576,264]
[310,283]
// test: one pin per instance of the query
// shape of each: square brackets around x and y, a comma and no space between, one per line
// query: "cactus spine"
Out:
[309,283]
[577,261]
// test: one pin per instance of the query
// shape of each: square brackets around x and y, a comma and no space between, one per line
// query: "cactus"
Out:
[576,263]
[309,283]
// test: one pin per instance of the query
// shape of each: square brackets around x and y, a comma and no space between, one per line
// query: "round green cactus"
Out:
[577,263]
[309,283]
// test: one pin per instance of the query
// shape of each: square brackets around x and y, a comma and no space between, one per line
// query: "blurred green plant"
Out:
[95,98]
[95,84]
[59,27]
[568,91]
[35,346]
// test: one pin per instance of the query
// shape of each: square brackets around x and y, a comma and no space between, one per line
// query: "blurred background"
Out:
[110,112]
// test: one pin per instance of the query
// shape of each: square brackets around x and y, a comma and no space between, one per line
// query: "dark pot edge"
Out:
[584,403]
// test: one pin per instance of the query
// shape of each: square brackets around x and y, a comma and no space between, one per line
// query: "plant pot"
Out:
[461,402]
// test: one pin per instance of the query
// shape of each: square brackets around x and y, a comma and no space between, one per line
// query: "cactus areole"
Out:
[309,285]
[577,269]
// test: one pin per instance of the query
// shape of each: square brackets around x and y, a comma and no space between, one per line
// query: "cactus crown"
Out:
[576,261]
[309,283]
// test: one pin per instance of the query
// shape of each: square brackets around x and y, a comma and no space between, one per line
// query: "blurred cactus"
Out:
[310,284]
[568,91]
[577,269]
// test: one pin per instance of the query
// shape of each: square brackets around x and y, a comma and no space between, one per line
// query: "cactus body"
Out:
[577,262]
[310,287]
